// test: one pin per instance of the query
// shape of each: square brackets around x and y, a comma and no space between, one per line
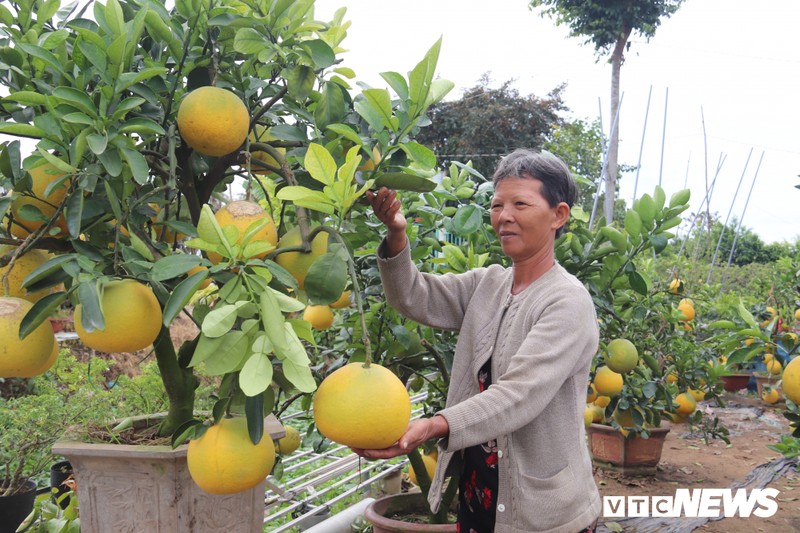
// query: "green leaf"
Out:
[376,108]
[420,153]
[41,310]
[296,365]
[326,279]
[633,223]
[331,106]
[746,316]
[467,220]
[680,198]
[321,54]
[249,42]
[173,266]
[438,90]
[286,303]
[91,310]
[300,81]
[420,80]
[401,181]
[114,17]
[659,242]
[637,282]
[111,161]
[97,142]
[219,321]
[228,355]
[74,214]
[24,130]
[320,164]
[397,82]
[256,375]
[254,412]
[142,126]
[40,53]
[94,54]
[347,132]
[46,271]
[75,98]
[272,319]
[140,247]
[78,118]
[181,295]
[27,98]
[185,431]
[137,164]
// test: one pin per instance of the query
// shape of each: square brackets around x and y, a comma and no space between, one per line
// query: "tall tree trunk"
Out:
[617,57]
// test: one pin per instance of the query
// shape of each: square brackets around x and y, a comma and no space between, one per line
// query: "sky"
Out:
[726,67]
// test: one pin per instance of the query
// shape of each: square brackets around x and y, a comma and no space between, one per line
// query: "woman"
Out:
[527,335]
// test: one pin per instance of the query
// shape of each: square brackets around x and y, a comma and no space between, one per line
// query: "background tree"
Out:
[608,24]
[485,124]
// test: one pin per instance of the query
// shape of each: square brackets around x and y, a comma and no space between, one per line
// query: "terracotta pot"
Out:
[15,508]
[377,512]
[632,457]
[62,324]
[735,382]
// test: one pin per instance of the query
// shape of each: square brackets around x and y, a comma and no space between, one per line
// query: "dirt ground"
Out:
[687,462]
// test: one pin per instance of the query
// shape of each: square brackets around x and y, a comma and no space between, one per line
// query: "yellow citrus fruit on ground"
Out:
[213,121]
[687,310]
[686,404]
[774,367]
[225,461]
[591,394]
[602,401]
[362,407]
[132,315]
[41,177]
[241,214]
[343,301]
[298,263]
[675,286]
[24,265]
[621,356]
[320,316]
[290,442]
[30,356]
[770,397]
[698,395]
[791,380]
[607,382]
[262,135]
[430,467]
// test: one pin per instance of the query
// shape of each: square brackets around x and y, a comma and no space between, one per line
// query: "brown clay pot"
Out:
[376,513]
[735,382]
[632,457]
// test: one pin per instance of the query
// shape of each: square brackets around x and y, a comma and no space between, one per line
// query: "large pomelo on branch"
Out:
[362,407]
[213,121]
[242,214]
[28,357]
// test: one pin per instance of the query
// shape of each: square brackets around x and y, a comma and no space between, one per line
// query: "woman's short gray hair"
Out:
[557,183]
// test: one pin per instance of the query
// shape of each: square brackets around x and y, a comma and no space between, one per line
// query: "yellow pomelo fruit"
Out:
[370,163]
[241,214]
[722,359]
[791,380]
[132,315]
[290,442]
[588,415]
[30,356]
[24,265]
[591,394]
[774,367]
[262,135]
[224,460]
[602,401]
[625,421]
[430,467]
[686,301]
[687,311]
[343,301]
[598,413]
[749,341]
[362,407]
[621,356]
[607,382]
[213,121]
[200,268]
[698,395]
[770,397]
[675,286]
[320,316]
[41,176]
[797,314]
[672,377]
[686,404]
[298,263]
[768,356]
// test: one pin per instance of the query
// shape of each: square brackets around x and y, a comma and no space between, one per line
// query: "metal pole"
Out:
[605,162]
[706,198]
[722,231]
[641,147]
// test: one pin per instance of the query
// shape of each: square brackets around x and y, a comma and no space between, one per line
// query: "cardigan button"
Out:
[500,453]
[501,508]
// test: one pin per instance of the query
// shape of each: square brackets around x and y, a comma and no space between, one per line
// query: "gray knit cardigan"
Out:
[541,342]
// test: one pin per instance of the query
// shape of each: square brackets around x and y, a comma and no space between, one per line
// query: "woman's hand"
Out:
[388,210]
[418,432]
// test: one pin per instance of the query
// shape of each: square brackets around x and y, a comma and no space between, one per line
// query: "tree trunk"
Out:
[617,57]
[179,382]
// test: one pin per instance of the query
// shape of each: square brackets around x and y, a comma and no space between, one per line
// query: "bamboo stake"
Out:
[722,232]
[664,138]
[641,147]
[605,163]
[739,227]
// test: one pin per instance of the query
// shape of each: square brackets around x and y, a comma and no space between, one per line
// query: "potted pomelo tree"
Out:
[142,118]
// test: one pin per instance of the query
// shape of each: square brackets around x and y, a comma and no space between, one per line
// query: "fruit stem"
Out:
[351,267]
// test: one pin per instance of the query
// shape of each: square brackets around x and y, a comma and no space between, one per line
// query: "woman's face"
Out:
[523,220]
